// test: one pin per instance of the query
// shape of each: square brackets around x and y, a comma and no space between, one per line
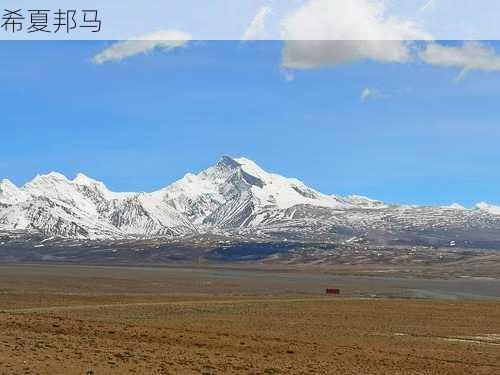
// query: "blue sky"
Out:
[142,123]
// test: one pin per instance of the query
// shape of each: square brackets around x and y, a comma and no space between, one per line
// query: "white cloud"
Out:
[348,20]
[331,32]
[257,27]
[305,54]
[165,39]
[469,56]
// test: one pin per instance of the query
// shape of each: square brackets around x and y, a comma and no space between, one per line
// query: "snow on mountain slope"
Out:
[10,193]
[196,196]
[283,192]
[96,189]
[85,208]
[232,190]
[234,194]
[65,220]
[57,187]
[488,208]
[456,206]
[13,217]
[360,201]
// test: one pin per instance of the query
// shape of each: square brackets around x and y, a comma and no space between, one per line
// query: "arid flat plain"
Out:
[58,319]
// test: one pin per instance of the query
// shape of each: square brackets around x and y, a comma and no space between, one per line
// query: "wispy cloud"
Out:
[257,26]
[469,56]
[370,93]
[164,39]
[288,75]
[331,32]
[365,94]
[428,6]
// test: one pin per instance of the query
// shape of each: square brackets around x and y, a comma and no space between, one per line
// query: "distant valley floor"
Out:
[357,257]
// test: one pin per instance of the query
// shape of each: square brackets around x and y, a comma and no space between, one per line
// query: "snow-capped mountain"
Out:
[234,195]
[233,191]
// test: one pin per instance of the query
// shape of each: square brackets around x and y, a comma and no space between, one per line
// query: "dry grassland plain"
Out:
[118,320]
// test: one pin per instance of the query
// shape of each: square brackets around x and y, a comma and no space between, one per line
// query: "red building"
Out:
[332,291]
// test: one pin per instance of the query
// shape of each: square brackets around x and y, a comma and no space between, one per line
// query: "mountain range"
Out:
[235,197]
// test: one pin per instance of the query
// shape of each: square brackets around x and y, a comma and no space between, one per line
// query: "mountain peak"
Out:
[43,182]
[10,193]
[242,160]
[456,206]
[488,208]
[86,181]
[246,165]
[55,175]
[5,182]
[250,167]
[229,162]
[52,176]
[82,179]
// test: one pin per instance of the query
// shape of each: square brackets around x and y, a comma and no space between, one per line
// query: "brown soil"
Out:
[59,321]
